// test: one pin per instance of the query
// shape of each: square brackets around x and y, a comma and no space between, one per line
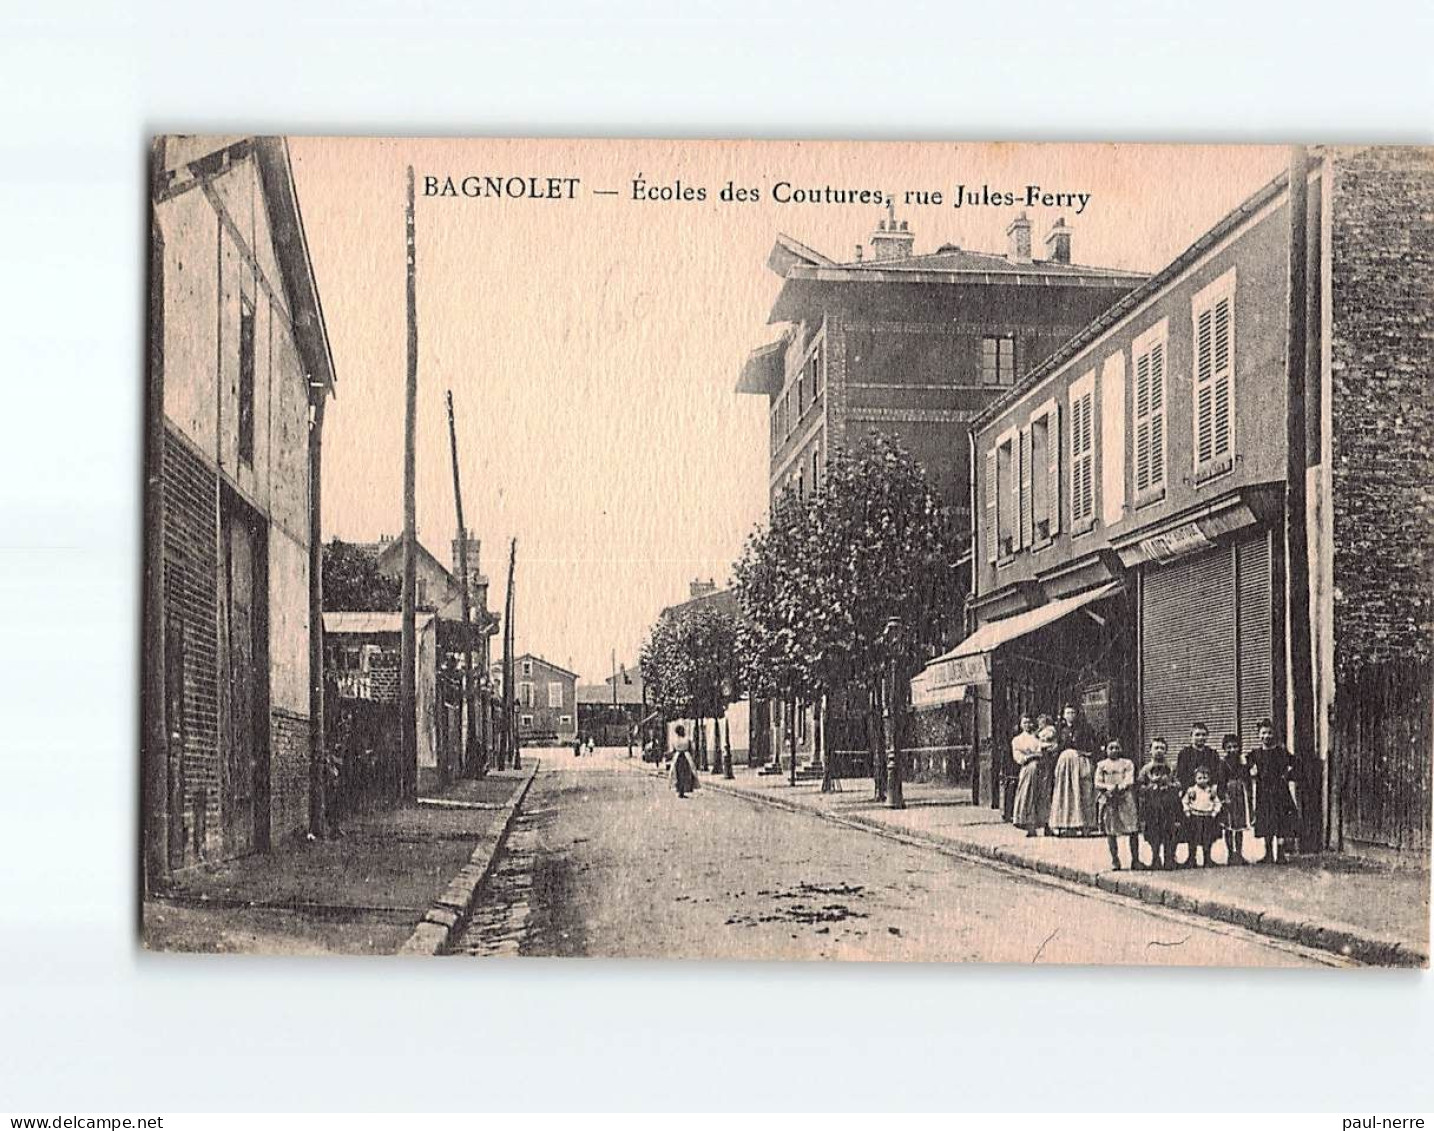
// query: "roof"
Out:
[601,693]
[546,663]
[722,598]
[371,623]
[1137,298]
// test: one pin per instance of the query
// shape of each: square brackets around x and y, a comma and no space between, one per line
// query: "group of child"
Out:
[1205,796]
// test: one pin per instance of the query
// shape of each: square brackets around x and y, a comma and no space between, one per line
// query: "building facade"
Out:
[1131,549]
[912,345]
[239,355]
[545,699]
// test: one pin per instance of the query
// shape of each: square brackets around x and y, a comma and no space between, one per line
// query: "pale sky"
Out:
[593,344]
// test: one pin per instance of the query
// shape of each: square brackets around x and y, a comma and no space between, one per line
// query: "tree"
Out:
[689,664]
[353,582]
[822,581]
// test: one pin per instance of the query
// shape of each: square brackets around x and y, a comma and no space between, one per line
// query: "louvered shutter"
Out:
[1053,466]
[993,531]
[1157,414]
[1204,387]
[1015,499]
[1142,422]
[1027,482]
[1220,415]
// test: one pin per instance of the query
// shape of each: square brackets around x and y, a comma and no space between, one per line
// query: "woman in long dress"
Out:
[683,771]
[1073,780]
[1032,808]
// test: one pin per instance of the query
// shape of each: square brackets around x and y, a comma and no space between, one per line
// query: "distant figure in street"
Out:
[1159,798]
[1232,776]
[1073,780]
[1032,808]
[1277,814]
[1115,798]
[591,746]
[577,747]
[1201,806]
[684,770]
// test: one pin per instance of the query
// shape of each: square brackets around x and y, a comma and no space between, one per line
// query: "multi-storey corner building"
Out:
[913,345]
[1130,547]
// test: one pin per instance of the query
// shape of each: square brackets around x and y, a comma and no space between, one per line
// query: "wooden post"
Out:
[154,806]
[408,659]
[475,758]
[510,718]
[318,736]
[1303,742]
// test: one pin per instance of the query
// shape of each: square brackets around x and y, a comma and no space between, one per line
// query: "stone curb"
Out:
[448,913]
[1344,939]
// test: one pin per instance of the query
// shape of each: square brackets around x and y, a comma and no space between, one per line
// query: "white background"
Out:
[88,1023]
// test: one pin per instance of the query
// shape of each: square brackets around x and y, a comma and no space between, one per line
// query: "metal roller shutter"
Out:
[1188,647]
[1256,634]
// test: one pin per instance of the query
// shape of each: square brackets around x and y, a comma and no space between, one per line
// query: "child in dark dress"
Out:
[1159,794]
[1277,816]
[1232,776]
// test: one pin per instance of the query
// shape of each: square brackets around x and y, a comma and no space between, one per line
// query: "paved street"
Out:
[605,860]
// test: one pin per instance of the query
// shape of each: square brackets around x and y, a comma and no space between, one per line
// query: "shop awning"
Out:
[944,679]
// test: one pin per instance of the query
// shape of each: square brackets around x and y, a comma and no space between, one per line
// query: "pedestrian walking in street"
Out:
[590,747]
[577,747]
[1115,794]
[1034,755]
[1201,807]
[1232,776]
[684,770]
[1159,798]
[1198,753]
[1277,814]
[1073,779]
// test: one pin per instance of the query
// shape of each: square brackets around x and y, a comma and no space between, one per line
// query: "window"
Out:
[998,360]
[565,720]
[816,467]
[1045,471]
[246,381]
[526,721]
[525,694]
[1149,371]
[528,667]
[818,366]
[1082,410]
[801,391]
[555,695]
[1213,314]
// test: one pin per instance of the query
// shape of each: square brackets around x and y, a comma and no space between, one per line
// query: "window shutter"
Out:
[1142,422]
[1027,483]
[1220,424]
[1204,392]
[1053,466]
[1016,481]
[1157,414]
[993,532]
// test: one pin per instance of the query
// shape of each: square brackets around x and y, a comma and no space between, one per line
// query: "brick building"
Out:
[545,699]
[239,354]
[1130,551]
[913,345]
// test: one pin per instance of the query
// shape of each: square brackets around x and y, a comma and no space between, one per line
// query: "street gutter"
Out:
[448,913]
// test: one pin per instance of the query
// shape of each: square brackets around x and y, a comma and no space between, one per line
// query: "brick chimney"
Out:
[1018,236]
[1058,243]
[699,588]
[891,240]
[473,546]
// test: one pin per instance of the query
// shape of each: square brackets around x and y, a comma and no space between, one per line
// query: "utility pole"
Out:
[510,728]
[1302,739]
[407,693]
[475,758]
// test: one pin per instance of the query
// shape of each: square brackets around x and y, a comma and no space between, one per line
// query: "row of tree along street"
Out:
[840,597]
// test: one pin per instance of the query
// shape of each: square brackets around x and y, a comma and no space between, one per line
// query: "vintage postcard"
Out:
[789,550]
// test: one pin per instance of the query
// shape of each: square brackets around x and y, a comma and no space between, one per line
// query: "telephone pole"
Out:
[475,757]
[510,727]
[407,689]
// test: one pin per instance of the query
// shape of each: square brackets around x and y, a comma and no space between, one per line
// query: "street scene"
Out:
[774,551]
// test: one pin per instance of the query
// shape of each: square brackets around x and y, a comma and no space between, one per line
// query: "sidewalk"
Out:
[364,892]
[1374,914]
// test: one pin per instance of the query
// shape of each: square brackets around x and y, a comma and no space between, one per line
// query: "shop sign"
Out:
[1187,538]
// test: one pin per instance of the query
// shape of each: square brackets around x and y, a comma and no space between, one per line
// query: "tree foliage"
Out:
[689,663]
[818,585]
[352,582]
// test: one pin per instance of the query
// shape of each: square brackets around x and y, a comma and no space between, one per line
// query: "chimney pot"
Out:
[891,240]
[1018,235]
[1058,242]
